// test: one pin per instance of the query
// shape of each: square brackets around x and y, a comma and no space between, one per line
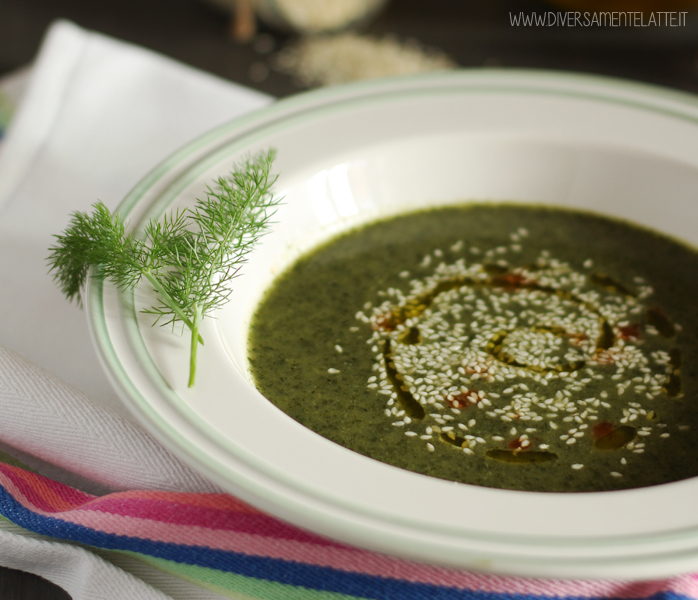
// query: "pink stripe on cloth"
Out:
[170,511]
[222,522]
[355,560]
[190,535]
[686,585]
[483,582]
[45,494]
[18,494]
[219,501]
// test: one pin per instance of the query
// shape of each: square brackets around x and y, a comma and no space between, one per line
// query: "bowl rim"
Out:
[240,131]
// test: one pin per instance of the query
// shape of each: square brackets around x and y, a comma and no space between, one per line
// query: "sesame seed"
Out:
[465,326]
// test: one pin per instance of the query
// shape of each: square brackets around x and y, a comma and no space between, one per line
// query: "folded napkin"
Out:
[87,499]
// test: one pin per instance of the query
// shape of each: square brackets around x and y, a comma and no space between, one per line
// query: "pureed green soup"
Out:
[506,346]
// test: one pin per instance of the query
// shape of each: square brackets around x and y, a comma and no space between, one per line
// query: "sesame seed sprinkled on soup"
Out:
[501,345]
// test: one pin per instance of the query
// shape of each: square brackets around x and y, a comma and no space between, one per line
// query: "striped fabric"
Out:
[225,545]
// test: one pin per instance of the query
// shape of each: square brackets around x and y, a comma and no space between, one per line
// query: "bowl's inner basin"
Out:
[508,346]
[613,414]
[354,163]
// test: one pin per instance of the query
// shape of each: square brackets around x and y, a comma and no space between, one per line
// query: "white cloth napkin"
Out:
[96,116]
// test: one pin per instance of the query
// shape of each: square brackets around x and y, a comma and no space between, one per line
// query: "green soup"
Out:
[505,346]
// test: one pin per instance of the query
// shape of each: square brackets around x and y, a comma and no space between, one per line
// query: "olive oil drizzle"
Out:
[412,408]
[616,439]
[673,386]
[521,456]
[503,277]
[455,440]
[656,317]
[610,284]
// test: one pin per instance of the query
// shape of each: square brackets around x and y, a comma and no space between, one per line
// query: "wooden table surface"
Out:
[475,33]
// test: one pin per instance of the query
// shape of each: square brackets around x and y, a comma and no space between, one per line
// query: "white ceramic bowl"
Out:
[348,155]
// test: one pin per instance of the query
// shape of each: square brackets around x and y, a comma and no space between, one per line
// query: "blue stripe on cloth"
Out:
[270,569]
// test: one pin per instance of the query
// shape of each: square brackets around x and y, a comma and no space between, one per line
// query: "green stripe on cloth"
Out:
[238,586]
[6,110]
[8,459]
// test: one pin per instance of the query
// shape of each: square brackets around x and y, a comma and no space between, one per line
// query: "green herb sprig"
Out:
[189,257]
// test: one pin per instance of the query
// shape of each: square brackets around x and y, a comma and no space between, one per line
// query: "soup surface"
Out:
[507,346]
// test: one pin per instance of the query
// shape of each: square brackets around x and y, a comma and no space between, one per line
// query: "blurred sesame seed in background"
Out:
[342,58]
[328,51]
[304,17]
[255,42]
[309,17]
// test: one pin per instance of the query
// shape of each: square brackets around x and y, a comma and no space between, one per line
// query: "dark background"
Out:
[474,33]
